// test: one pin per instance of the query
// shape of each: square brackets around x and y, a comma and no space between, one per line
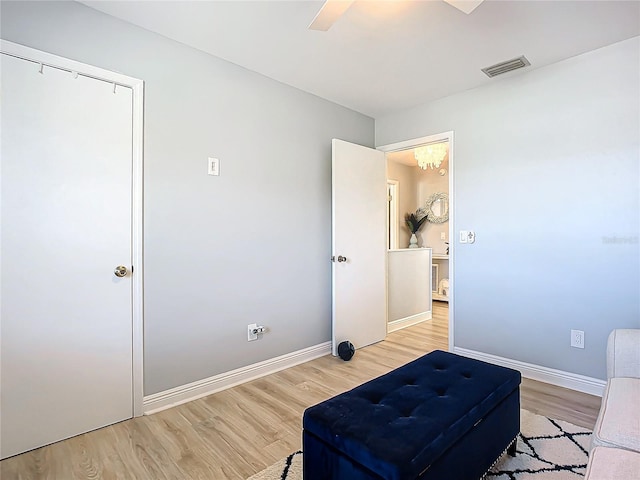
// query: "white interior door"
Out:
[359,209]
[66,223]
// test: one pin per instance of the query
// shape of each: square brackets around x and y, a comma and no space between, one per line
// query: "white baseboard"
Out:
[192,391]
[572,381]
[408,321]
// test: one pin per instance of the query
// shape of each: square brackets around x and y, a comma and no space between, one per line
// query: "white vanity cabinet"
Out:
[439,272]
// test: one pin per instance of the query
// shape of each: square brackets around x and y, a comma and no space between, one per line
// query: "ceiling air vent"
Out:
[504,67]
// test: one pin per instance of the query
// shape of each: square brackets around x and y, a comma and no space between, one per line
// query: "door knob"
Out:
[120,271]
[341,258]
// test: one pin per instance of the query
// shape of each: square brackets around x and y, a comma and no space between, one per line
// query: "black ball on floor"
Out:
[346,350]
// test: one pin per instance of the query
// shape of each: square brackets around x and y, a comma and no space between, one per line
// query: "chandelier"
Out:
[430,155]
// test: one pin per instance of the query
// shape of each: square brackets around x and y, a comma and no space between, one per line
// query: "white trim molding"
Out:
[408,321]
[192,391]
[572,381]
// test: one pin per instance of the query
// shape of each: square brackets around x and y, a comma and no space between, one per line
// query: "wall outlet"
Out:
[250,335]
[254,331]
[443,236]
[577,338]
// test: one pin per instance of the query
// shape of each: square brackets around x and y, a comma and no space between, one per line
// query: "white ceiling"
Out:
[382,56]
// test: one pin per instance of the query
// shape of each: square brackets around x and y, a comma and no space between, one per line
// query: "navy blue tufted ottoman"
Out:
[440,417]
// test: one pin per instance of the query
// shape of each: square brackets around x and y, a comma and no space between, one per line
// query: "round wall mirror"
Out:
[436,208]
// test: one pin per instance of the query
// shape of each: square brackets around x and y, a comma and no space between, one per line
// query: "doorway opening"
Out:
[393,225]
[422,190]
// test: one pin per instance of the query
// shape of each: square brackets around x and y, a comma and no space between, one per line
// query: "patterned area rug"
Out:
[547,450]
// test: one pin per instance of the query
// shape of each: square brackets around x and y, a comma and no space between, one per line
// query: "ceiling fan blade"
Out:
[328,14]
[467,6]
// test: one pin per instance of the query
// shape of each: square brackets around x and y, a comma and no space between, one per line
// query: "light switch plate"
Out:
[213,166]
[464,235]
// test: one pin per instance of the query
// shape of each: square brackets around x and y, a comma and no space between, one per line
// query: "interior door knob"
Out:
[341,258]
[120,271]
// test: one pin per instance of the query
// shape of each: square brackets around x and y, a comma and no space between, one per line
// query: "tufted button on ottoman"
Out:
[440,417]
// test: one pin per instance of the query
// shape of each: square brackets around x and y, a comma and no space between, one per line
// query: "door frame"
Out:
[417,142]
[137,87]
[394,213]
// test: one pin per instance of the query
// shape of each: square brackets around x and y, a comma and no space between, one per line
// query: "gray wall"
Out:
[546,173]
[252,245]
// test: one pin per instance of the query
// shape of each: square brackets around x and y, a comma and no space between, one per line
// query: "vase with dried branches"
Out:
[414,222]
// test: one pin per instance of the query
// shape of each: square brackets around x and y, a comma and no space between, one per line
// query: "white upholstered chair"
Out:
[615,443]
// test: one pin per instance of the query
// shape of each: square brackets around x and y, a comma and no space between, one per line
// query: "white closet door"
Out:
[66,319]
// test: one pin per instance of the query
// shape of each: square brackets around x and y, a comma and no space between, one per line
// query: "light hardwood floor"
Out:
[238,432]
